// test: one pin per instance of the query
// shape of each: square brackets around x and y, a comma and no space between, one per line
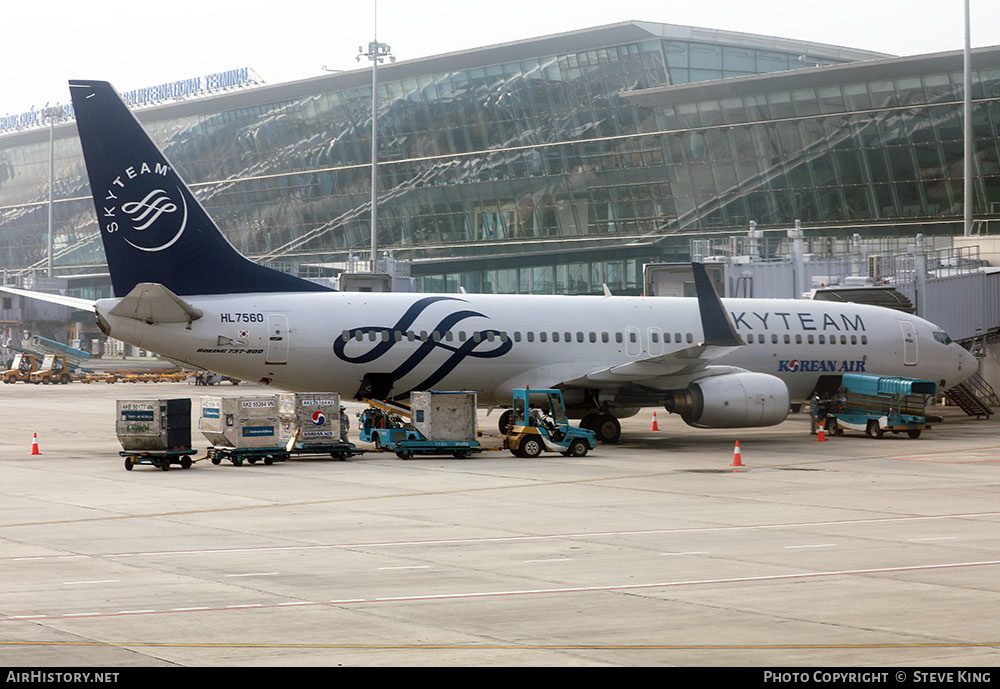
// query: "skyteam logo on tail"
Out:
[148,211]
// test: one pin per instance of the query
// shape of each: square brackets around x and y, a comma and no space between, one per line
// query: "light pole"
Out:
[377,52]
[52,115]
[967,107]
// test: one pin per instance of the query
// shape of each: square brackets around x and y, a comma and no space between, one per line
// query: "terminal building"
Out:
[552,165]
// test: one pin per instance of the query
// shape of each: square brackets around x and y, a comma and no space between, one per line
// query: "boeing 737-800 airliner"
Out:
[183,291]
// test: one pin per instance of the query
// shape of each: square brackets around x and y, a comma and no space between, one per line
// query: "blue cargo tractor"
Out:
[539,423]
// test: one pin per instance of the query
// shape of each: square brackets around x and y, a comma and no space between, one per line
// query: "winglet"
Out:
[718,328]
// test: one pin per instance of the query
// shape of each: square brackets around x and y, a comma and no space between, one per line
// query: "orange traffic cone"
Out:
[34,444]
[655,427]
[820,438]
[737,461]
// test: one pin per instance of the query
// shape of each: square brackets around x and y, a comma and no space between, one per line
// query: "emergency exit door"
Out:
[277,338]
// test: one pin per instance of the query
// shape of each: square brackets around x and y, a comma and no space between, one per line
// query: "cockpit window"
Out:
[942,337]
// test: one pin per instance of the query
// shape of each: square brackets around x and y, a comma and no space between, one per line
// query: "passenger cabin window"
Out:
[618,338]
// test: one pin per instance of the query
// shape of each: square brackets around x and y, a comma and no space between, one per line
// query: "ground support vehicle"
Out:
[53,369]
[98,378]
[270,455]
[387,431]
[534,430]
[159,459]
[238,455]
[879,404]
[23,365]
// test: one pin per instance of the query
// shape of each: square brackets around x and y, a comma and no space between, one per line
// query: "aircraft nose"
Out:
[967,363]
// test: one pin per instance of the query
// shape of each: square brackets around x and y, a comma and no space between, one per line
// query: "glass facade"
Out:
[522,169]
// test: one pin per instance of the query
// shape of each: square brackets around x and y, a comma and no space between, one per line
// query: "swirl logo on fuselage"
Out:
[149,217]
[471,347]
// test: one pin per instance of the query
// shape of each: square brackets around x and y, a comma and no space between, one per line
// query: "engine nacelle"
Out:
[733,400]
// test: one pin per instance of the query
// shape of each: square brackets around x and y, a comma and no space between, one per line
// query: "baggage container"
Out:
[240,422]
[314,415]
[154,425]
[444,416]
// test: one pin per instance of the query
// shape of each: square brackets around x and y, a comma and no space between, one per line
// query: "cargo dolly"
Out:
[161,459]
[270,455]
[382,424]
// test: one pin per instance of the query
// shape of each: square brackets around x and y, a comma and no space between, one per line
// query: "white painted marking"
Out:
[938,538]
[254,574]
[306,602]
[133,612]
[411,567]
[690,552]
[555,559]
[200,607]
[815,545]
[508,539]
[95,581]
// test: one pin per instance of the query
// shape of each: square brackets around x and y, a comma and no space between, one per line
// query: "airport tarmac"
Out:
[653,552]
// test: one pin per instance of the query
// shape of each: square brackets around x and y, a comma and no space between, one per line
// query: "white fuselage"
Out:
[494,343]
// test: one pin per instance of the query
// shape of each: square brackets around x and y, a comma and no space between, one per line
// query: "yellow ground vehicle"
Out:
[21,368]
[54,369]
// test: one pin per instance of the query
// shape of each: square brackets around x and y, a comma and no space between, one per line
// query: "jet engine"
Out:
[732,400]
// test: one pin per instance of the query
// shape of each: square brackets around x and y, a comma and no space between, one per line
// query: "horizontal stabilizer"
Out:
[71,302]
[151,302]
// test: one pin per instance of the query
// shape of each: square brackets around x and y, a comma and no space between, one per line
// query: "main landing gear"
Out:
[606,426]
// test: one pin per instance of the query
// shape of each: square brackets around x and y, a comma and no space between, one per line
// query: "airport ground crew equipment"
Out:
[53,369]
[156,432]
[314,423]
[258,428]
[441,423]
[879,404]
[545,427]
[23,365]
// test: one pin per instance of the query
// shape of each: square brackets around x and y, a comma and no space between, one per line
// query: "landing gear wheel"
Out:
[577,448]
[531,447]
[608,429]
[505,422]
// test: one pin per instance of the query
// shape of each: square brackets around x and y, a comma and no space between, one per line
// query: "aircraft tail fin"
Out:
[153,227]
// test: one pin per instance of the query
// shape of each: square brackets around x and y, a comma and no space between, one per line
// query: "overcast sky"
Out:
[142,43]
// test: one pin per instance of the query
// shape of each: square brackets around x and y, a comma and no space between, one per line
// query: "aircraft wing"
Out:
[688,363]
[72,302]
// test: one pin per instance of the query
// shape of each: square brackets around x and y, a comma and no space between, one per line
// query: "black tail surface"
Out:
[153,227]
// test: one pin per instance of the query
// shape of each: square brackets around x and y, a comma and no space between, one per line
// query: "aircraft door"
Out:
[632,343]
[277,338]
[909,343]
[655,345]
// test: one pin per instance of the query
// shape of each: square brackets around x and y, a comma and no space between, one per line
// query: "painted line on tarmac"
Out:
[522,592]
[507,647]
[514,539]
[457,491]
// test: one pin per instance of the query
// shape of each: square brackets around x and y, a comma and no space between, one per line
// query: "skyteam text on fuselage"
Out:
[183,291]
